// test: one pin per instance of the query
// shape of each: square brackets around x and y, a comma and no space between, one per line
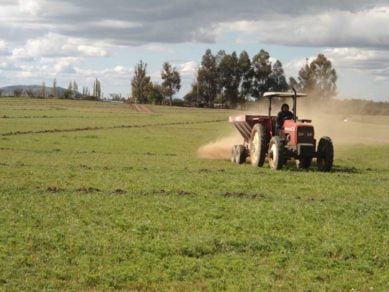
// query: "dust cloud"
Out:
[221,148]
[328,120]
[337,121]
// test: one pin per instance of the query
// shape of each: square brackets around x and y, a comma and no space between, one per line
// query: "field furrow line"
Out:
[18,133]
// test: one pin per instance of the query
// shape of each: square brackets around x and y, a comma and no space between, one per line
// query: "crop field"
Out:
[99,196]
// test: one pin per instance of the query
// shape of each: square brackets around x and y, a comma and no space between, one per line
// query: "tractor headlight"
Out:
[305,134]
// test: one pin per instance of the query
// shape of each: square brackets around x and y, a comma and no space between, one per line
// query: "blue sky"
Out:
[82,40]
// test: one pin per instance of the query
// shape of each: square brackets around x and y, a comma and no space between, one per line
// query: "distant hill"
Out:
[31,90]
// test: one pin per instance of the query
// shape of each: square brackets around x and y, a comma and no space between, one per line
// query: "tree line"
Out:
[222,79]
[71,92]
[228,80]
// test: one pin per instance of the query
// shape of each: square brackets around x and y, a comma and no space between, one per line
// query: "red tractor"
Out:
[295,139]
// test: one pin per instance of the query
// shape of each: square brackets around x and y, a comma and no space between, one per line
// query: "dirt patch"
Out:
[160,192]
[7,148]
[243,195]
[185,193]
[83,166]
[343,169]
[54,190]
[88,190]
[140,108]
[173,192]
[310,199]
[119,192]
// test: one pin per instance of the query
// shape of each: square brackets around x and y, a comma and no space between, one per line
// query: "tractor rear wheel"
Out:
[325,154]
[276,153]
[258,145]
[240,154]
[304,162]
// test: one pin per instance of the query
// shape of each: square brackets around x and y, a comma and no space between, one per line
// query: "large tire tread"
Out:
[276,153]
[240,154]
[325,154]
[258,157]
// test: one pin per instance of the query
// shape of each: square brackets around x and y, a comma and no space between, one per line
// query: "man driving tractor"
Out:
[284,114]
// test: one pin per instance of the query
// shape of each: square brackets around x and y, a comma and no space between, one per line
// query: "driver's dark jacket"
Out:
[281,117]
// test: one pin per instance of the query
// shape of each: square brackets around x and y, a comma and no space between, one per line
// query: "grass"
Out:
[95,196]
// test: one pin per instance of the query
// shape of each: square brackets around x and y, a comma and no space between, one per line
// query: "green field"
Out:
[95,196]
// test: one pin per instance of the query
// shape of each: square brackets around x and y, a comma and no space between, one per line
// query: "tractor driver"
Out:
[284,114]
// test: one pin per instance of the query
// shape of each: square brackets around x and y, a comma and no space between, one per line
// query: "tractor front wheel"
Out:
[276,153]
[325,154]
[258,145]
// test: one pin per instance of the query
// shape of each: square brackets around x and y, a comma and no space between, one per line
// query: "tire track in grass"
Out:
[19,133]
[140,108]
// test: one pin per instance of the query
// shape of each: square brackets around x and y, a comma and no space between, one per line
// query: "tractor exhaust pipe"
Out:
[294,105]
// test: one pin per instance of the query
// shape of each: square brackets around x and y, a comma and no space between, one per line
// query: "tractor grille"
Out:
[305,135]
[305,150]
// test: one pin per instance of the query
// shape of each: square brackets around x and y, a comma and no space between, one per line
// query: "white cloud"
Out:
[111,75]
[115,23]
[54,45]
[370,61]
[21,54]
[297,22]
[122,70]
[117,71]
[50,45]
[8,66]
[64,66]
[355,57]
[365,28]
[292,67]
[92,51]
[25,74]
[31,7]
[159,48]
[112,78]
[4,50]
[188,68]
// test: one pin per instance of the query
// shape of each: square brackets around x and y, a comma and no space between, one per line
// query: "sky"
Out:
[82,40]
